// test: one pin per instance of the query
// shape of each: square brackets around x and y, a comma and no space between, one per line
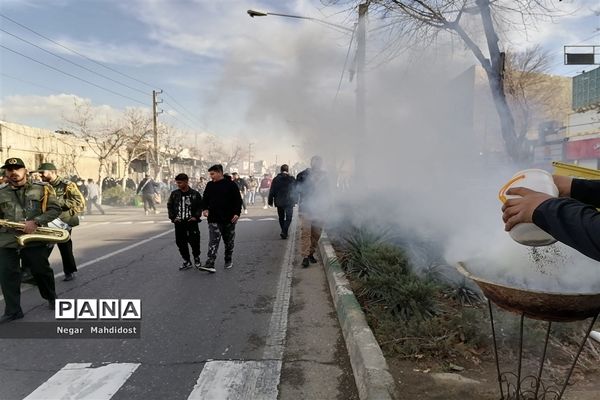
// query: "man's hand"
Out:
[516,211]
[205,213]
[563,183]
[235,219]
[176,220]
[193,219]
[30,227]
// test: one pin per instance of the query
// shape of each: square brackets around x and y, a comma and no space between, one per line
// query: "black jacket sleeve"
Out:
[273,191]
[586,191]
[197,206]
[171,206]
[206,196]
[236,199]
[571,222]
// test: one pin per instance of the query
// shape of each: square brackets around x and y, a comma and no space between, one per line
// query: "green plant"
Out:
[117,196]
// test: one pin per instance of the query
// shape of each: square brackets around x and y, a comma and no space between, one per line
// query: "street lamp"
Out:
[255,13]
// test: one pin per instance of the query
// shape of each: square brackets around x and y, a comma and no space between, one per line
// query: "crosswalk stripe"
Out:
[267,219]
[81,381]
[238,380]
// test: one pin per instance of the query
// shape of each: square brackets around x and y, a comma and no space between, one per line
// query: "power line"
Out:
[74,63]
[73,76]
[192,120]
[29,82]
[182,107]
[345,64]
[76,52]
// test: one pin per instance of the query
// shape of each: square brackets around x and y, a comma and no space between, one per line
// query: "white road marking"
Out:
[244,219]
[147,222]
[123,223]
[77,381]
[267,219]
[238,380]
[104,257]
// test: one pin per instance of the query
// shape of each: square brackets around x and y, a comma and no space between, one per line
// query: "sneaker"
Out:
[245,211]
[185,265]
[283,236]
[197,262]
[312,259]
[146,212]
[69,277]
[305,262]
[265,207]
[156,212]
[208,268]
[228,264]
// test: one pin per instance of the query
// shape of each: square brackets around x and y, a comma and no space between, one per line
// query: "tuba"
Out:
[41,234]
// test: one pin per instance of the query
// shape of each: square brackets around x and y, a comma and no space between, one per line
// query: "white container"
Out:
[539,180]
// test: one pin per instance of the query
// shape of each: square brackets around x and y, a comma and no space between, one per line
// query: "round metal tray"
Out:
[546,306]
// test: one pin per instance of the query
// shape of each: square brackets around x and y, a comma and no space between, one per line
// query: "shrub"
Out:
[116,196]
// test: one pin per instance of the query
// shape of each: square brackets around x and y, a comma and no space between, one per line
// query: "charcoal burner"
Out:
[545,306]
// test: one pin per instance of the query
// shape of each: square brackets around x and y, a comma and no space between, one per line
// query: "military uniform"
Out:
[72,203]
[29,202]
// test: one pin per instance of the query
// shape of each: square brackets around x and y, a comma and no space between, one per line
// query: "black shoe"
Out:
[185,265]
[11,317]
[283,236]
[312,259]
[305,262]
[197,262]
[69,277]
[228,264]
[28,278]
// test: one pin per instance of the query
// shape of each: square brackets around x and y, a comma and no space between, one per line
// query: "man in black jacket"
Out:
[571,219]
[222,205]
[185,211]
[148,189]
[283,196]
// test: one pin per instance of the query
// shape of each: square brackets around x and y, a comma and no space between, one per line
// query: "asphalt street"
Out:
[190,318]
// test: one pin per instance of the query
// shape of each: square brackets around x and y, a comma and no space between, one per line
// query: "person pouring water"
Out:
[572,218]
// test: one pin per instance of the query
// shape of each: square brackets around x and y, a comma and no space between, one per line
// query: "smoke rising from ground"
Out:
[424,169]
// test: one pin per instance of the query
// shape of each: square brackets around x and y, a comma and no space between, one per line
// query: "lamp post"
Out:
[361,39]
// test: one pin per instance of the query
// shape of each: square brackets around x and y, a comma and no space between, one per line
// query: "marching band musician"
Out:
[72,203]
[34,205]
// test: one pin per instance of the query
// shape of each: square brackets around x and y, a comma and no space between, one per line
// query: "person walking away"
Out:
[313,204]
[34,205]
[243,187]
[252,188]
[222,206]
[93,195]
[72,204]
[282,196]
[264,188]
[148,189]
[185,210]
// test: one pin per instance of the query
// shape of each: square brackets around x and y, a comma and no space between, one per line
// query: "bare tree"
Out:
[137,139]
[104,141]
[420,22]
[533,95]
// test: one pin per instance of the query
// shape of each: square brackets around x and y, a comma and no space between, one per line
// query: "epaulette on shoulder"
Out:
[40,183]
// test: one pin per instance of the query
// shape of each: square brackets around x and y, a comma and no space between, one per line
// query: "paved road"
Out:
[203,335]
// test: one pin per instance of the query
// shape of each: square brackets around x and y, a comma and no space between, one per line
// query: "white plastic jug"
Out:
[539,180]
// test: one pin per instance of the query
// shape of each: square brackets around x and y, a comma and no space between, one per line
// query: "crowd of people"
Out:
[42,198]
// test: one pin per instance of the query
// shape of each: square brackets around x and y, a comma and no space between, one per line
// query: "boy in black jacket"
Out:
[222,206]
[283,196]
[571,219]
[185,210]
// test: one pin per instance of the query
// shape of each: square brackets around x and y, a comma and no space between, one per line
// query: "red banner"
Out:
[583,149]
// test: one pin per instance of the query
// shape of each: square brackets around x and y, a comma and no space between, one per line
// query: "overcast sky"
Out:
[208,56]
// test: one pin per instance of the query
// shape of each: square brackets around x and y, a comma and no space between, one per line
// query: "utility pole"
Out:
[250,158]
[361,93]
[155,113]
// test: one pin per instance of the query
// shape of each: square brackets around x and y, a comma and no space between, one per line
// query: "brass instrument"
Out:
[41,234]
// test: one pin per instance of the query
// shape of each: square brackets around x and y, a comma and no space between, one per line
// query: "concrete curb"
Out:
[371,373]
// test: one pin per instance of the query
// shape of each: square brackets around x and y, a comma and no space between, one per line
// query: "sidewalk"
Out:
[315,363]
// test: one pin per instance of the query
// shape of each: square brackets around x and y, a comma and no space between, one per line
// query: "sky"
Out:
[208,57]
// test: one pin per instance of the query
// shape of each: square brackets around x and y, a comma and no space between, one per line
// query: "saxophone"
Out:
[41,234]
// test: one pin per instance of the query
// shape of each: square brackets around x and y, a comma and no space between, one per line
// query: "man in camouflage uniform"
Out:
[34,205]
[72,203]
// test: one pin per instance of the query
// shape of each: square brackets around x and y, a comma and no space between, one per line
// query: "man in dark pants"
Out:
[572,218]
[72,203]
[185,209]
[243,187]
[222,206]
[282,195]
[148,188]
[34,205]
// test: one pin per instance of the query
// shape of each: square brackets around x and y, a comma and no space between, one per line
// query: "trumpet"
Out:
[41,234]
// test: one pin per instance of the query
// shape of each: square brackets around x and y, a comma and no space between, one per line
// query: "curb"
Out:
[371,373]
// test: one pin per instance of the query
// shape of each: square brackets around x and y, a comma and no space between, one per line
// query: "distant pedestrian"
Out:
[313,202]
[72,203]
[93,196]
[243,187]
[263,190]
[185,210]
[149,190]
[283,196]
[252,188]
[222,206]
